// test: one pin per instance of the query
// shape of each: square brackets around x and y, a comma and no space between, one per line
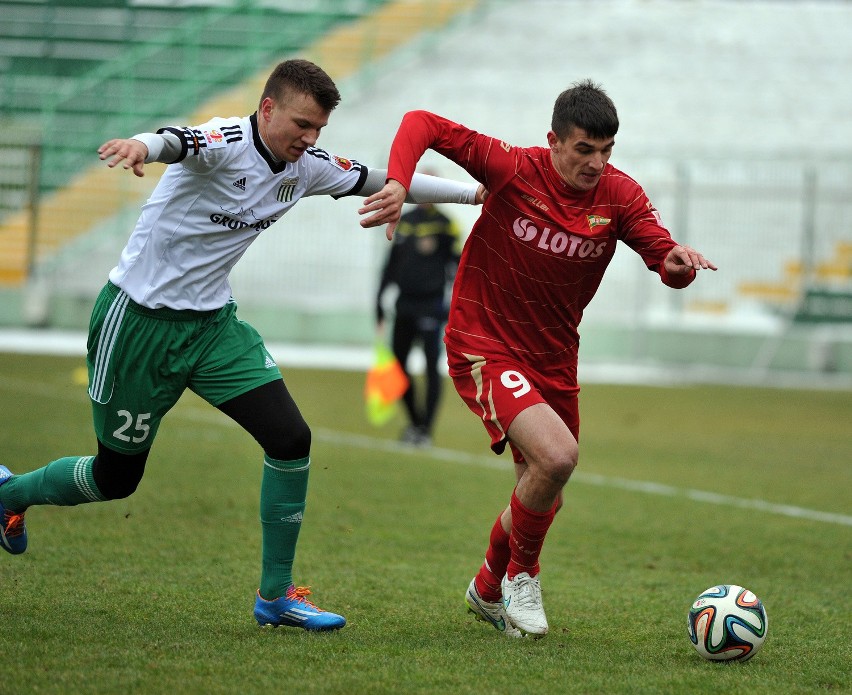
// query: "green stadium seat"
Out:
[84,70]
[92,67]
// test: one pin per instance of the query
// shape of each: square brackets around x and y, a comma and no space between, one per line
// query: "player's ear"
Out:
[552,140]
[266,107]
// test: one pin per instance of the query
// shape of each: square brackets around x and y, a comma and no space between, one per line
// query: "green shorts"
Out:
[141,360]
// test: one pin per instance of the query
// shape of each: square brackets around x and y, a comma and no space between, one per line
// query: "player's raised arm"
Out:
[404,157]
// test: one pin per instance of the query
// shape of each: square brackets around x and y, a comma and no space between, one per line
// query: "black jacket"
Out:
[422,261]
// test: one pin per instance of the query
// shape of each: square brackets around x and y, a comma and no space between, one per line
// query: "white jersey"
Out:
[210,204]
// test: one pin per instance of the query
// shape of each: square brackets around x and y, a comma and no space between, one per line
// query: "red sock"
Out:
[496,559]
[527,536]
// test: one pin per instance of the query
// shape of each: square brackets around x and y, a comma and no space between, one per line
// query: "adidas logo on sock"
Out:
[293,518]
[240,183]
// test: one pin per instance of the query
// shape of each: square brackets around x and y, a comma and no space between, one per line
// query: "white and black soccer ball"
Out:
[727,623]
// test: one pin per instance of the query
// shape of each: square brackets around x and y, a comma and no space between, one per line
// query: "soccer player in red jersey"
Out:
[533,261]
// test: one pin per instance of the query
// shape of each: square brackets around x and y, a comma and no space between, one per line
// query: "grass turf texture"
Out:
[153,594]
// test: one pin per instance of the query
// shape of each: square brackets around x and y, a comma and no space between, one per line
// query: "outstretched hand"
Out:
[131,152]
[681,260]
[386,206]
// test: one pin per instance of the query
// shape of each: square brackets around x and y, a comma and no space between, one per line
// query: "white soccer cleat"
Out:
[522,598]
[489,612]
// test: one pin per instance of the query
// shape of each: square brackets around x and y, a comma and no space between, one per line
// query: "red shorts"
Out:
[496,389]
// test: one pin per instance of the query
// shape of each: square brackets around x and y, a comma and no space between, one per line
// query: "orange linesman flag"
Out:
[386,382]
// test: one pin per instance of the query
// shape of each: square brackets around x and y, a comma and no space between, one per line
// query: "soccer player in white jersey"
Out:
[166,320]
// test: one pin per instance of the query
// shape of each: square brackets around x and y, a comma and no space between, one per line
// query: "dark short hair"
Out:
[302,77]
[584,105]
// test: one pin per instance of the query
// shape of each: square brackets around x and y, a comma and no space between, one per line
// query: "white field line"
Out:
[363,441]
[367,442]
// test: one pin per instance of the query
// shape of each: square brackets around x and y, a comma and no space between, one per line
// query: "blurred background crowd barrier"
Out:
[764,196]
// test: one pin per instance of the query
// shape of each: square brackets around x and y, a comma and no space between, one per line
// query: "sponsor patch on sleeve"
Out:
[341,162]
[213,138]
[655,213]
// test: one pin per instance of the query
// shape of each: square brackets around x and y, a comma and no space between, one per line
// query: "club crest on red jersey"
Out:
[597,221]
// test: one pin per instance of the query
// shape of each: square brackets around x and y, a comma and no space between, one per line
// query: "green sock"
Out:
[65,482]
[283,491]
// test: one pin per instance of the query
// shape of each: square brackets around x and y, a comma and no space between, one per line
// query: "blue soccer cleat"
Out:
[294,610]
[13,530]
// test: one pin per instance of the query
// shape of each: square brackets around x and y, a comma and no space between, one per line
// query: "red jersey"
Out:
[539,249]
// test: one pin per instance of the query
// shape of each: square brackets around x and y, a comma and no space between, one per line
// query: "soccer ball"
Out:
[727,623]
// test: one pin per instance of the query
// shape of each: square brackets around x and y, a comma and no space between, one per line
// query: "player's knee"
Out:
[561,464]
[570,459]
[290,443]
[561,472]
[118,475]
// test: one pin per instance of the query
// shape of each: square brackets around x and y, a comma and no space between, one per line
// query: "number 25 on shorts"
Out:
[139,430]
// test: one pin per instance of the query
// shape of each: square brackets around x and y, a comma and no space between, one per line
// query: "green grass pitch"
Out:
[677,489]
